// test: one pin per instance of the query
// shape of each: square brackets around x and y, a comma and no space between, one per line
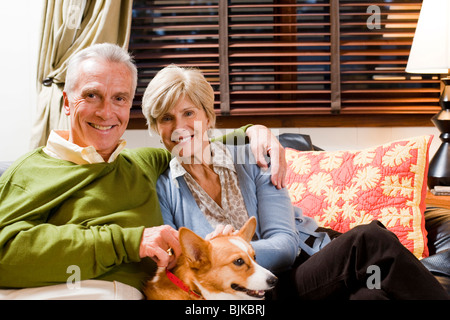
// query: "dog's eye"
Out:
[239,262]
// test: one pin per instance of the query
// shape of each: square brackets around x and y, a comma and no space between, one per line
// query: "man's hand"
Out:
[263,142]
[161,244]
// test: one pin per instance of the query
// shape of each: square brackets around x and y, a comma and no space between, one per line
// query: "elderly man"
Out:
[83,207]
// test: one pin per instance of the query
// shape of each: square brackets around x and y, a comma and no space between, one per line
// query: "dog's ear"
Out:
[248,229]
[195,249]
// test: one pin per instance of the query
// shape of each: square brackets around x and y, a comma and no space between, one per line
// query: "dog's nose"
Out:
[272,281]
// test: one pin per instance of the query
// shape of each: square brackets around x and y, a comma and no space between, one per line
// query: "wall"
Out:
[20,26]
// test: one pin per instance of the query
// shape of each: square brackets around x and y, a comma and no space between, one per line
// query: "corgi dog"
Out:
[222,268]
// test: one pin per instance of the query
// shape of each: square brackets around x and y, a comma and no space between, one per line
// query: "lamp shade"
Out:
[430,50]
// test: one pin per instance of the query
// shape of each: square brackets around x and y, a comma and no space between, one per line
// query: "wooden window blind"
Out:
[182,32]
[373,60]
[288,59]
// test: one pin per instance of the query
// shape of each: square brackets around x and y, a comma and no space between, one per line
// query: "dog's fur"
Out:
[219,269]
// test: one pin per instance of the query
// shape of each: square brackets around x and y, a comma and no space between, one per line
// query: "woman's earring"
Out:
[209,134]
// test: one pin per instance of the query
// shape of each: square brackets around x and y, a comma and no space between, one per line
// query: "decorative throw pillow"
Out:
[343,189]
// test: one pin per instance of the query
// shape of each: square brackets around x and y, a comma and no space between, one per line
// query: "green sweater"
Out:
[55,214]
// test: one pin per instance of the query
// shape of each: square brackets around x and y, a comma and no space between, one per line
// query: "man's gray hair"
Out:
[103,51]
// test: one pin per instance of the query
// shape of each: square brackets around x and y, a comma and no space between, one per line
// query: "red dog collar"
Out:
[180,284]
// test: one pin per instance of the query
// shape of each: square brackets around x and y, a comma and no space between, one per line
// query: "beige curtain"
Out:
[69,26]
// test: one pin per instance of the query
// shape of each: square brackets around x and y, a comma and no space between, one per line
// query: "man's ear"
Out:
[248,229]
[66,104]
[195,249]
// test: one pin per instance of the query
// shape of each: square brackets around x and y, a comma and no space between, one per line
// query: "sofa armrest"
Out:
[297,141]
[437,224]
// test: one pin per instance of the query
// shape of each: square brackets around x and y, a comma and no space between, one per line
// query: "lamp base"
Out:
[439,168]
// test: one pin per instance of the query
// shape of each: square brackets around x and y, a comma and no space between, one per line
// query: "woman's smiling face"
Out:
[183,130]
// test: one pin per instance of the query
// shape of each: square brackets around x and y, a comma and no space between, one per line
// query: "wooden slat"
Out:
[174,8]
[253,25]
[387,100]
[265,15]
[276,5]
[277,44]
[234,83]
[277,102]
[401,91]
[412,3]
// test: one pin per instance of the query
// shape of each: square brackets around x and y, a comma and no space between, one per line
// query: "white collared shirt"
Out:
[59,147]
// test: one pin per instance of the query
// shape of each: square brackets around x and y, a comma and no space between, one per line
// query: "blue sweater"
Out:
[281,229]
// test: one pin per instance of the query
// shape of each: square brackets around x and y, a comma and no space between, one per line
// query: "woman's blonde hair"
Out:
[172,84]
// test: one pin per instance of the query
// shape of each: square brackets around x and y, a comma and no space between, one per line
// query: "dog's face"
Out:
[225,267]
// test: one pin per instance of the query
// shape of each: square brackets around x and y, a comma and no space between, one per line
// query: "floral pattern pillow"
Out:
[343,189]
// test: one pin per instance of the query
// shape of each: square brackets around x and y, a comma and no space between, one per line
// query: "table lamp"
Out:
[430,53]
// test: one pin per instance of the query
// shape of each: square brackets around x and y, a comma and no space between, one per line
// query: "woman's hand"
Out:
[263,142]
[221,230]
[161,244]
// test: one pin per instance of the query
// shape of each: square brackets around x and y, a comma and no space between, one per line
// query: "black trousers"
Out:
[367,262]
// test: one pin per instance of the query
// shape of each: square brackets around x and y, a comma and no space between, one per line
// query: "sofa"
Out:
[437,220]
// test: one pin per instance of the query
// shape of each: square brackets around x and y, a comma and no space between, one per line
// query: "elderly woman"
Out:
[209,185]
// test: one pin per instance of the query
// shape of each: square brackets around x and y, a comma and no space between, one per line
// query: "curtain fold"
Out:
[69,26]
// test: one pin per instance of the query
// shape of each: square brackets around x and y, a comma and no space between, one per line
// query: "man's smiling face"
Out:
[99,105]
